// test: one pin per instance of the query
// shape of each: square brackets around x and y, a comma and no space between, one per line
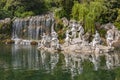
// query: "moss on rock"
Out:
[5,29]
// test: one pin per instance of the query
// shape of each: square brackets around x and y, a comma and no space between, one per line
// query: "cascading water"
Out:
[31,28]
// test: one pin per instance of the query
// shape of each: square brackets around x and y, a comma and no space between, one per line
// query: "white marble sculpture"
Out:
[81,32]
[73,30]
[96,39]
[67,39]
[43,40]
[82,42]
[110,37]
[65,21]
[55,42]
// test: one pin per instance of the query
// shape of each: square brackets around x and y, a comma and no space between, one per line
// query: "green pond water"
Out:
[19,62]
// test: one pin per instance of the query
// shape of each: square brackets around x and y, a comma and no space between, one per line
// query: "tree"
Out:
[88,13]
[111,12]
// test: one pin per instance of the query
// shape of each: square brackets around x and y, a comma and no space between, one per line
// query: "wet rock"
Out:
[9,41]
[7,20]
[107,26]
[34,43]
[117,44]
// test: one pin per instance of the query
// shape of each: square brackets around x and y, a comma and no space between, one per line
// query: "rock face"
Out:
[34,43]
[5,28]
[117,44]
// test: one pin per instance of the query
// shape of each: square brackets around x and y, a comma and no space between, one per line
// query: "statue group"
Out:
[50,41]
[76,39]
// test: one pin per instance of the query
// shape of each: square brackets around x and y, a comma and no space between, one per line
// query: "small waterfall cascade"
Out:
[31,28]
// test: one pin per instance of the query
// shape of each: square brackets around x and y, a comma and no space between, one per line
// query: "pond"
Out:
[19,62]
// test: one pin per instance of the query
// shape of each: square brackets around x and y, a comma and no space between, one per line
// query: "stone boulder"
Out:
[116,44]
[9,41]
[34,43]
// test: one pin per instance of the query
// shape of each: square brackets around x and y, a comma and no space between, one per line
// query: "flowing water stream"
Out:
[32,28]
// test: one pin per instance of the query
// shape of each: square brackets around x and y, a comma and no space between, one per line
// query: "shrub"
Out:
[117,24]
[5,14]
[29,13]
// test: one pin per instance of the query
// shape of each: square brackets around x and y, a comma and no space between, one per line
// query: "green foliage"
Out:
[79,11]
[60,12]
[117,24]
[88,13]
[19,11]
[60,30]
[22,13]
[111,12]
[117,71]
[1,25]
[29,13]
[2,3]
[21,8]
[5,13]
[18,7]
[118,17]
[117,21]
[5,30]
[67,6]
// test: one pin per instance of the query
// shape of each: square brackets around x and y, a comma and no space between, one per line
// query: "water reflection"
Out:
[48,60]
[25,57]
[74,61]
[112,60]
[54,57]
[29,58]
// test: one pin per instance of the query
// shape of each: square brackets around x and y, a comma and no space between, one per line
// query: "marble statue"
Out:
[96,39]
[82,42]
[48,41]
[67,39]
[65,21]
[110,37]
[81,32]
[71,23]
[73,30]
[55,42]
[43,41]
[54,35]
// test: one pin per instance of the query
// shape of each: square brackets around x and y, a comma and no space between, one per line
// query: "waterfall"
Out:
[32,28]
